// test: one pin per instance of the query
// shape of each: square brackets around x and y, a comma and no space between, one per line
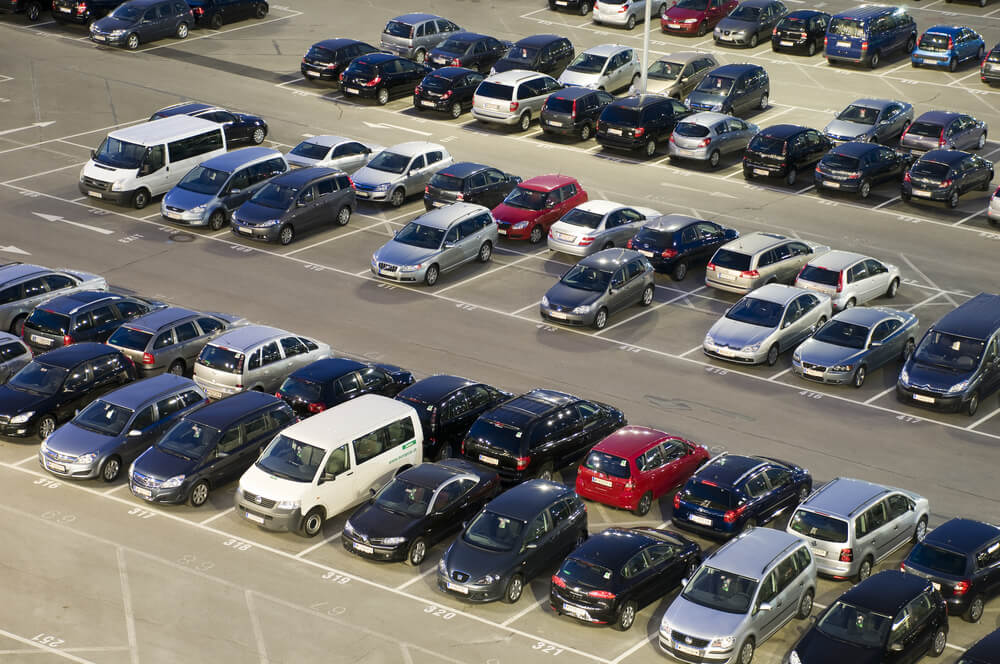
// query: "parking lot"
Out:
[93,575]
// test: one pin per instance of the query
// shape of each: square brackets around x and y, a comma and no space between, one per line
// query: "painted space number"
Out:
[546,648]
[336,578]
[141,513]
[439,612]
[810,395]
[239,545]
[48,640]
[46,482]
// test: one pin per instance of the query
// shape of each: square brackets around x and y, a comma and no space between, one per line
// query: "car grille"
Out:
[814,367]
[461,577]
[688,640]
[258,500]
[364,187]
[503,225]
[387,267]
[59,456]
[926,389]
[145,480]
[174,209]
[96,184]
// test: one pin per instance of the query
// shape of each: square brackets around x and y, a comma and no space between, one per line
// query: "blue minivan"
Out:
[865,34]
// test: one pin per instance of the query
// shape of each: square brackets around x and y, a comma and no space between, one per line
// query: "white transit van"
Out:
[330,462]
[136,163]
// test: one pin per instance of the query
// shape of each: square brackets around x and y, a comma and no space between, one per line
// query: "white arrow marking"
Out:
[14,250]
[49,217]
[384,125]
[33,125]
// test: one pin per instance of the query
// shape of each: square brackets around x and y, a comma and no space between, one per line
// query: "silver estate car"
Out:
[742,594]
[437,241]
[766,323]
[849,278]
[513,97]
[414,35]
[597,225]
[626,13]
[24,286]
[344,154]
[850,525]
[608,67]
[14,355]
[871,120]
[677,74]
[759,258]
[708,135]
[400,171]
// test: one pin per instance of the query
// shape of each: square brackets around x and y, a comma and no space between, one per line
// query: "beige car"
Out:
[677,74]
[754,260]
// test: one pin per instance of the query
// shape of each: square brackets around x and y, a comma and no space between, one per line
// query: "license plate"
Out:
[813,372]
[818,552]
[493,461]
[364,548]
[145,493]
[761,171]
[502,231]
[674,26]
[785,43]
[253,517]
[831,185]
[353,91]
[686,649]
[99,38]
[438,204]
[844,44]
[921,192]
[213,394]
[647,254]
[556,314]
[312,73]
[457,588]
[561,3]
[554,123]
[41,340]
[565,237]
[598,480]
[245,231]
[615,132]
[726,37]
[576,611]
[726,352]
[700,519]
[52,465]
[427,102]
[171,215]
[95,194]
[726,276]
[920,397]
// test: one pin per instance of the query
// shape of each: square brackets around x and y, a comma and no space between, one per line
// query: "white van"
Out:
[136,163]
[330,462]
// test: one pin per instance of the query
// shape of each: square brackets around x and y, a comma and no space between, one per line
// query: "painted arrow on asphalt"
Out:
[49,217]
[14,250]
[33,125]
[384,125]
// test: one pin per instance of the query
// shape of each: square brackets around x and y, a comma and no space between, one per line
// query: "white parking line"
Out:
[649,638]
[258,633]
[82,133]
[116,488]
[983,419]
[216,516]
[38,175]
[292,14]
[523,612]
[647,310]
[923,302]
[47,649]
[519,311]
[312,548]
[688,352]
[407,584]
[971,216]
[33,457]
[484,273]
[331,239]
[133,644]
[888,202]
[780,374]
[881,394]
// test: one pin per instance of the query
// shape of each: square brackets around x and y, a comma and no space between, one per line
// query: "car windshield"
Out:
[626,116]
[665,71]
[221,359]
[126,337]
[839,333]
[949,351]
[840,162]
[708,495]
[696,5]
[731,260]
[609,464]
[522,54]
[588,63]
[860,114]
[38,378]
[930,169]
[126,12]
[399,29]
[716,85]
[819,526]
[939,560]
[419,235]
[493,531]
[389,162]
[526,199]
[762,313]
[578,217]
[846,27]
[723,591]
[44,320]
[455,46]
[277,196]
[300,388]
[587,278]
[203,180]
[764,144]
[404,497]
[856,625]
[691,130]
[820,275]
[291,459]
[189,440]
[925,129]
[934,42]
[575,571]
[119,154]
[310,150]
[103,417]
[321,54]
[745,13]
[497,434]
[447,182]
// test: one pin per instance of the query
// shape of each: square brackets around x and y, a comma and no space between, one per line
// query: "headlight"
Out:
[690,20]
[520,225]
[291,505]
[44,447]
[131,469]
[411,268]
[687,102]
[752,348]
[382,187]
[796,356]
[904,377]
[392,541]
[117,33]
[442,567]
[793,658]
[717,108]
[22,418]
[545,301]
[717,31]
[957,387]
[349,529]
[198,210]
[723,642]
[709,341]
[489,578]
[118,186]
[842,367]
[375,259]
[270,222]
[87,458]
[583,308]
[665,627]
[173,482]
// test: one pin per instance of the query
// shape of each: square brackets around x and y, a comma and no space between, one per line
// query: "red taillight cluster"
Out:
[960,588]
[147,358]
[825,41]
[710,267]
[447,94]
[513,106]
[81,8]
[417,90]
[67,340]
[350,181]
[372,83]
[751,274]
[906,176]
[198,11]
[574,106]
[864,46]
[947,183]
[840,281]
[731,515]
[601,594]
[522,462]
[846,555]
[638,132]
[316,408]
[628,244]
[677,500]
[557,581]
[586,241]
[457,62]
[703,144]
[669,253]
[941,138]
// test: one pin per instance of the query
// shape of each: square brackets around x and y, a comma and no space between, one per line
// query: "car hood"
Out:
[14,402]
[73,440]
[477,562]
[736,24]
[373,178]
[512,215]
[815,646]
[110,24]
[925,374]
[185,199]
[565,296]
[371,520]
[262,483]
[248,119]
[847,128]
[661,87]
[700,621]
[580,78]
[701,97]
[253,213]
[398,253]
[676,13]
[827,354]
[154,462]
[735,334]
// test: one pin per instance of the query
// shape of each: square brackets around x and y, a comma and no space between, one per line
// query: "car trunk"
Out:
[559,111]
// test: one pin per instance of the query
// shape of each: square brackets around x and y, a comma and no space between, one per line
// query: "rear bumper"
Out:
[563,129]
[823,182]
[572,249]
[495,117]
[620,142]
[926,194]
[728,286]
[765,170]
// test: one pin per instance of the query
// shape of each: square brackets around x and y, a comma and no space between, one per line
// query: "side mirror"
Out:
[327,477]
[875,344]
[896,647]
[413,171]
[684,582]
[765,606]
[786,324]
[465,524]
[93,154]
[371,492]
[235,191]
[449,245]
[133,433]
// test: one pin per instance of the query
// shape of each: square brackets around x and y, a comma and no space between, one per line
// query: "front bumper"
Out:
[371,194]
[692,654]
[156,494]
[508,231]
[471,592]
[398,275]
[266,233]
[120,197]
[929,400]
[268,518]
[566,317]
[991,76]
[372,551]
[108,40]
[732,39]
[821,374]
[68,469]
[185,217]
[993,211]
[735,355]
[679,27]
[22,430]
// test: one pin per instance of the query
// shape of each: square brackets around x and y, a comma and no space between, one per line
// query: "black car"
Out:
[32,9]
[518,535]
[469,182]
[55,385]
[81,12]
[962,558]
[573,111]
[889,618]
[612,575]
[328,382]
[381,76]
[325,60]
[856,166]
[81,316]
[214,13]
[581,7]
[985,651]
[944,175]
[470,50]
[639,122]
[733,493]
[673,242]
[989,68]
[447,406]
[801,31]
[238,127]
[417,509]
[733,89]
[137,22]
[449,90]
[548,54]
[783,151]
[207,448]
[537,433]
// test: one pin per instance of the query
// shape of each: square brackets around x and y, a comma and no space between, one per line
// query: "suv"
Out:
[413,35]
[733,493]
[14,354]
[537,433]
[851,525]
[573,112]
[609,67]
[741,594]
[470,50]
[783,150]
[399,171]
[944,175]
[139,21]
[80,316]
[381,76]
[639,123]
[214,13]
[535,204]
[962,558]
[326,383]
[469,182]
[23,287]
[760,258]
[513,97]
[856,166]
[731,89]
[325,60]
[945,130]
[864,34]
[673,242]
[547,54]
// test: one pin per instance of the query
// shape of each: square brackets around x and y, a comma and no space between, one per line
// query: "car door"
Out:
[882,540]
[143,431]
[710,238]
[560,437]
[302,214]
[13,356]
[782,486]
[335,482]
[414,174]
[220,464]
[667,569]
[539,545]
[767,621]
[990,381]
[791,585]
[272,367]
[653,466]
[901,516]
[350,156]
[617,296]
[987,572]
[484,188]
[640,581]
[452,506]
[760,502]
[563,527]
[797,324]
[452,252]
[148,27]
[104,320]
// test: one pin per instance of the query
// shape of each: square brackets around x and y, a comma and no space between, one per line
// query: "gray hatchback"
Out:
[414,35]
[14,354]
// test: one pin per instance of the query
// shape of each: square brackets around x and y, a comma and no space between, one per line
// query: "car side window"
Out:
[338,462]
[292,346]
[186,331]
[374,378]
[768,588]
[793,312]
[782,252]
[920,608]
[149,16]
[191,397]
[988,556]
[10,351]
[368,446]
[881,331]
[452,236]
[58,282]
[308,195]
[468,228]
[798,249]
[348,384]
[756,485]
[707,230]
[476,181]
[256,428]
[131,309]
[778,476]
[170,405]
[454,408]
[767,258]
[874,267]
[494,176]
[230,441]
[802,558]
[618,278]
[634,269]
[786,572]
[254,361]
[103,315]
[652,458]
[144,419]
[270,353]
[34,287]
[540,525]
[659,553]
[451,492]
[165,339]
[673,450]
[107,367]
[897,505]
[417,163]
[209,325]
[872,519]
[559,511]
[635,565]
[858,272]
[325,187]
[478,396]
[689,235]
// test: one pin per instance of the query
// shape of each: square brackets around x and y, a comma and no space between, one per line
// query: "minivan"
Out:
[864,34]
[513,97]
[136,163]
[731,89]
[320,467]
[782,151]
[957,363]
[760,258]
[209,193]
[414,35]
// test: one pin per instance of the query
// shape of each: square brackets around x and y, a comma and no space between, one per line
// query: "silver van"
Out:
[753,260]
[14,354]
[24,286]
[742,594]
[413,35]
[850,525]
[253,357]
[513,97]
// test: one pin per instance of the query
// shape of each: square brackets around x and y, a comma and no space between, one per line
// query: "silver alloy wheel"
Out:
[420,56]
[630,22]
[975,612]
[940,642]
[382,96]
[763,102]
[397,198]
[647,296]
[485,252]
[514,589]
[344,216]
[921,531]
[680,271]
[772,355]
[217,220]
[33,11]
[525,121]
[746,652]
[132,42]
[585,132]
[431,276]
[199,494]
[646,502]
[455,109]
[713,159]
[850,304]
[418,550]
[865,570]
[811,49]
[982,142]
[753,40]
[584,8]
[601,320]
[177,368]
[893,288]
[803,493]
[953,199]
[261,10]
[973,404]
[46,426]
[805,606]
[536,235]
[545,473]
[650,147]
[859,376]
[952,64]
[865,189]
[182,31]
[874,60]
[286,235]
[791,176]
[627,616]
[258,135]
[908,349]
[111,469]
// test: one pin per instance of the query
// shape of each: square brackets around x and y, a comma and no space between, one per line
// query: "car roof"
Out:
[609,258]
[163,129]
[219,414]
[524,501]
[886,592]
[537,40]
[753,552]
[184,108]
[463,169]
[804,13]
[613,547]
[466,35]
[240,338]
[328,140]
[706,118]
[631,440]
[142,3]
[874,102]
[734,70]
[598,206]
[855,149]
[7,337]
[777,293]
[843,496]
[230,161]
[434,388]
[756,3]
[301,177]
[753,243]
[727,469]
[869,316]
[938,117]
[606,49]
[449,215]
[376,58]
[413,148]
[573,92]
[415,17]
[159,318]
[964,535]
[785,131]
[547,182]
[17,271]
[668,223]
[514,76]
[135,394]
[521,411]
[638,101]
[451,72]
[334,44]
[948,157]
[72,302]
[949,30]
[977,318]
[431,475]
[866,11]
[837,260]
[348,421]
[682,57]
[67,357]
[327,369]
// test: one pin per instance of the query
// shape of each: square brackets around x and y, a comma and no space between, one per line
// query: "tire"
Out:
[344,216]
[920,531]
[182,31]
[647,296]
[382,96]
[258,135]
[312,524]
[286,235]
[864,570]
[714,159]
[749,525]
[980,53]
[261,11]
[432,274]
[601,319]
[630,22]
[585,131]
[584,8]
[17,327]
[33,11]
[626,617]
[608,245]
[111,469]
[46,425]
[763,102]
[536,235]
[803,493]
[973,405]
[975,611]
[215,22]
[680,271]
[650,148]
[636,80]
[791,176]
[772,355]
[904,195]
[953,64]
[865,189]
[420,56]
[199,494]
[805,606]
[397,198]
[140,198]
[545,472]
[445,453]
[217,220]
[485,252]
[513,591]
[953,199]
[132,41]
[642,507]
[524,122]
[811,49]
[747,649]
[939,643]
[417,552]
[859,376]
[911,43]
[850,304]
[455,110]
[982,142]
[177,368]
[753,40]
[874,59]
[908,348]
[702,29]
[747,174]
[893,288]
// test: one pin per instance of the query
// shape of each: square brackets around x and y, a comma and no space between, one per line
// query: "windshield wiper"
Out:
[179,455]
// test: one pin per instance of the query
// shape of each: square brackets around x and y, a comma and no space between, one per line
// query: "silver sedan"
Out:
[596,225]
[707,136]
[872,120]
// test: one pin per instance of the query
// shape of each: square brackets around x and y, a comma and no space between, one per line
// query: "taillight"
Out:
[677,500]
[316,408]
[350,181]
[802,35]
[668,253]
[750,273]
[629,485]
[513,106]
[951,43]
[941,138]
[629,243]
[447,94]
[902,566]
[341,77]
[456,62]
[375,81]
[574,106]
[81,8]
[67,340]
[522,462]
[906,177]
[946,184]
[586,241]
[463,448]
[840,281]
[825,41]
[557,581]
[601,594]
[960,588]
[278,394]
[846,555]
[774,33]
[147,358]
[623,8]
[638,132]
[710,267]
[864,46]
[417,90]
[704,142]
[427,189]
[731,515]
[459,197]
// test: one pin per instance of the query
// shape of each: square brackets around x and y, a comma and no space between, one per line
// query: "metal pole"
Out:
[645,46]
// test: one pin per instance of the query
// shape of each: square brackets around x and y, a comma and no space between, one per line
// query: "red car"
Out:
[695,17]
[634,466]
[534,205]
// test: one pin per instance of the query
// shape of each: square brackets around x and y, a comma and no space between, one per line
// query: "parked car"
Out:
[989,68]
[599,285]
[944,175]
[849,278]
[470,50]
[535,204]
[215,13]
[295,203]
[852,525]
[448,90]
[437,241]
[381,76]
[706,136]
[547,54]
[208,448]
[677,74]
[325,383]
[32,9]
[695,17]
[802,30]
[864,34]
[345,154]
[871,120]
[752,21]
[238,127]
[890,616]
[597,225]
[78,12]
[987,649]
[609,67]
[636,465]
[139,21]
[944,130]
[14,354]
[625,13]
[52,387]
[673,242]
[112,431]
[573,111]
[538,433]
[325,60]
[581,7]
[993,211]
[783,150]
[419,508]
[639,123]
[24,286]
[755,259]
[948,46]
[518,535]
[960,557]
[742,594]
[513,97]
[400,171]
[855,167]
[767,322]
[81,316]
[731,89]
[414,35]
[469,182]
[617,572]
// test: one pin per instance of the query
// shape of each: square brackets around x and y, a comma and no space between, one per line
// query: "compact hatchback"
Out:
[14,354]
[639,123]
[609,67]
[76,12]
[783,151]
[381,76]
[513,98]
[599,285]
[573,111]
[673,243]
[677,74]
[989,68]
[695,17]
[944,129]
[802,31]
[24,286]
[531,208]
[139,21]
[596,225]
[948,46]
[732,89]
[849,278]
[944,175]
[871,120]
[749,23]
[856,167]
[470,50]
[707,136]
[400,171]
[216,13]
[328,382]
[447,90]
[625,13]
[81,316]
[325,60]
[414,35]
[756,259]
[469,182]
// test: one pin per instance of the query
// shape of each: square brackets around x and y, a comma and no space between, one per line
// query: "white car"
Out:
[596,225]
[608,67]
[329,151]
[849,278]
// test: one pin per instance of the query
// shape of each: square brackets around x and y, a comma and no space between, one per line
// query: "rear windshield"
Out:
[819,526]
[496,434]
[47,321]
[621,115]
[820,275]
[656,238]
[767,145]
[297,388]
[708,495]
[126,337]
[398,29]
[559,104]
[931,42]
[578,217]
[221,359]
[310,150]
[716,85]
[584,573]
[925,129]
[455,46]
[846,27]
[425,411]
[602,462]
[445,181]
[792,22]
[939,560]
[363,69]
[930,169]
[495,91]
[839,162]
[731,260]
[691,130]
[753,311]
[436,83]
[322,54]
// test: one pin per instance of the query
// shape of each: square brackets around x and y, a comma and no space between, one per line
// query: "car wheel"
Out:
[397,198]
[905,195]
[911,43]
[420,56]
[33,11]
[980,53]
[714,159]
[864,570]
[46,425]
[939,642]
[313,523]
[680,271]
[111,469]
[17,327]
[525,122]
[626,616]
[642,507]
[772,355]
[850,304]
[177,368]
[217,220]
[647,296]
[514,588]
[636,80]
[199,494]
[432,274]
[746,652]
[140,198]
[811,49]
[445,452]
[803,493]
[859,376]
[973,404]
[920,531]
[630,22]
[258,135]
[601,319]
[805,606]
[382,96]
[455,110]
[865,189]
[747,174]
[585,131]
[132,42]
[953,64]
[908,349]
[286,235]
[750,524]
[417,552]
[873,60]
[584,8]
[261,10]
[893,288]
[763,102]
[650,148]
[545,472]
[182,31]
[982,141]
[344,216]
[753,40]
[536,235]
[702,29]
[608,245]
[975,611]
[953,199]
[791,176]
[820,323]
[485,252]
[215,22]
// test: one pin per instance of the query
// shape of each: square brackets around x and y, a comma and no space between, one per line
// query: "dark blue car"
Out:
[948,46]
[733,493]
[865,34]
[328,382]
[855,167]
[139,21]
[674,242]
[238,127]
